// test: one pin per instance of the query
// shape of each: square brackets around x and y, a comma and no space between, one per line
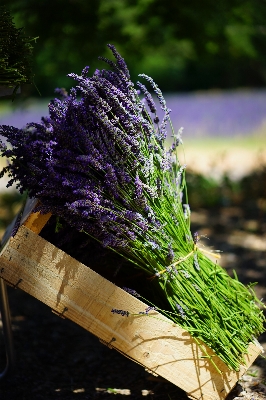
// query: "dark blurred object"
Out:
[247,194]
[9,91]
[10,204]
[254,196]
[15,56]
[202,191]
[254,185]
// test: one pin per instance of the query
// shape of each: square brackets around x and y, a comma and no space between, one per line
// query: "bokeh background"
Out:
[183,45]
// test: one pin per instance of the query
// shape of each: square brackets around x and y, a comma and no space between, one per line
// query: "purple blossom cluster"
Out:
[98,161]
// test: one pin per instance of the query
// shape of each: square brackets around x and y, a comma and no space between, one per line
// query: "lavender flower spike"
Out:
[131,291]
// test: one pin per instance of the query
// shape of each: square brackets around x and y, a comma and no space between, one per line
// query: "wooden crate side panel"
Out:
[36,221]
[86,298]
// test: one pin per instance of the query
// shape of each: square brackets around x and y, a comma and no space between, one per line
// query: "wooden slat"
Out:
[36,221]
[86,298]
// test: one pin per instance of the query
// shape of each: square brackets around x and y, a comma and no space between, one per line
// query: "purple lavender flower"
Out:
[150,308]
[170,255]
[120,312]
[185,273]
[156,90]
[148,97]
[196,287]
[186,211]
[180,310]
[177,140]
[131,291]
[196,262]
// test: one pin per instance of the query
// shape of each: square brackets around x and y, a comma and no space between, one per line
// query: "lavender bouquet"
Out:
[99,163]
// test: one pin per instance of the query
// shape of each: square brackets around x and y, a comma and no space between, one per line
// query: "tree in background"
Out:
[191,45]
[183,45]
[15,53]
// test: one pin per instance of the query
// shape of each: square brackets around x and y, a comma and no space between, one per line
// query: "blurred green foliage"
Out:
[183,45]
[15,52]
[247,193]
[206,192]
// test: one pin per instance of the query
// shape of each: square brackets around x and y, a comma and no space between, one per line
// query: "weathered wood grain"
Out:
[36,221]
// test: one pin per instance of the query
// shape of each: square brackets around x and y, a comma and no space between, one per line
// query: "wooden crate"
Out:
[78,293]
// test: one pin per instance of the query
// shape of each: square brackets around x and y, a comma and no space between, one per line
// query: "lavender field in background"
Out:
[202,114]
[224,131]
[218,113]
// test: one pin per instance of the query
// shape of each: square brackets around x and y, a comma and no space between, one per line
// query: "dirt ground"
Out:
[57,359]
